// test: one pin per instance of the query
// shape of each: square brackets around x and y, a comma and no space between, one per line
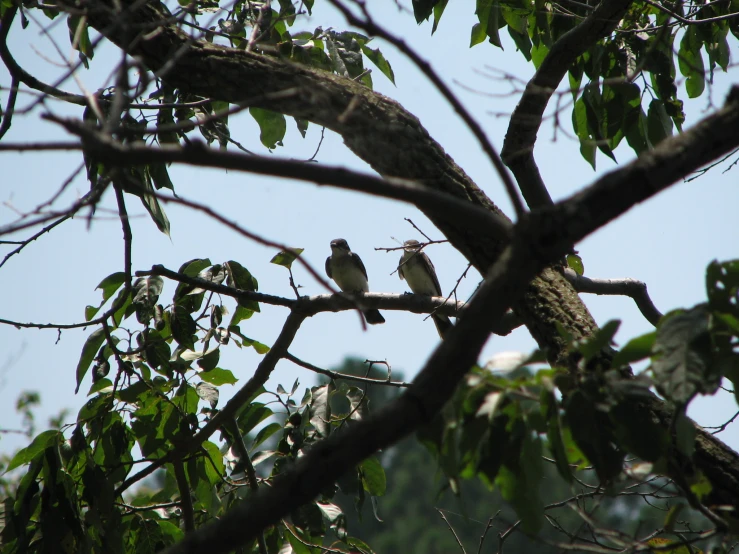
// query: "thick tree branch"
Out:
[20,74]
[619,287]
[539,238]
[113,153]
[518,148]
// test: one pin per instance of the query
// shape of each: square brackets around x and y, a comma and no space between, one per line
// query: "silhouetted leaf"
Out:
[40,443]
[286,257]
[636,349]
[373,476]
[272,126]
[89,349]
[682,363]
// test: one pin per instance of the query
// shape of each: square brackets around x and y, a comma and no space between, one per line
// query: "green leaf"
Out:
[550,410]
[170,532]
[335,517]
[108,285]
[659,124]
[580,126]
[101,384]
[438,12]
[635,130]
[191,269]
[40,443]
[537,53]
[574,262]
[272,126]
[160,175]
[183,327]
[320,409]
[637,432]
[302,125]
[685,433]
[722,286]
[258,346]
[682,363]
[218,377]
[602,338]
[79,36]
[252,416]
[701,487]
[373,476]
[422,9]
[297,542]
[636,349]
[589,431]
[375,56]
[690,62]
[209,360]
[240,278]
[89,350]
[266,432]
[156,348]
[146,291]
[487,12]
[286,257]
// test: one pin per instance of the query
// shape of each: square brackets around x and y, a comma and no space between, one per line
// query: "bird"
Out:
[347,269]
[418,271]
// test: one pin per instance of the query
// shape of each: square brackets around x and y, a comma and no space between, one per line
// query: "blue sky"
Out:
[666,242]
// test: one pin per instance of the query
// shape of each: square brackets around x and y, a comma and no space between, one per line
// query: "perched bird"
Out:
[418,271]
[347,269]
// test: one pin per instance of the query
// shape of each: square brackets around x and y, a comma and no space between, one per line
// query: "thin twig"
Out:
[449,525]
[232,428]
[336,375]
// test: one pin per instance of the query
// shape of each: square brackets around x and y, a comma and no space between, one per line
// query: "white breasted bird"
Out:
[418,271]
[347,269]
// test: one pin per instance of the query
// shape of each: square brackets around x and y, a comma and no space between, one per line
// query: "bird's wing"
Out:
[400,267]
[432,271]
[328,267]
[359,263]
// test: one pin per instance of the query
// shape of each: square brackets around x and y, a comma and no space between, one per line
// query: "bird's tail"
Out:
[373,317]
[443,324]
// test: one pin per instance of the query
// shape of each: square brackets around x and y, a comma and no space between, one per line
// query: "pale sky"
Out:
[666,242]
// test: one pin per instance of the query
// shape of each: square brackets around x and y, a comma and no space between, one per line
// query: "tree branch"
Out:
[618,287]
[20,74]
[336,375]
[518,148]
[113,153]
[185,499]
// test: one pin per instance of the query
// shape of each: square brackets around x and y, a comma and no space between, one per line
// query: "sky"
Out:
[666,242]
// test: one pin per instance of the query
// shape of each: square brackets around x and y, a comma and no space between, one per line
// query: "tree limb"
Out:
[518,148]
[637,290]
[113,153]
